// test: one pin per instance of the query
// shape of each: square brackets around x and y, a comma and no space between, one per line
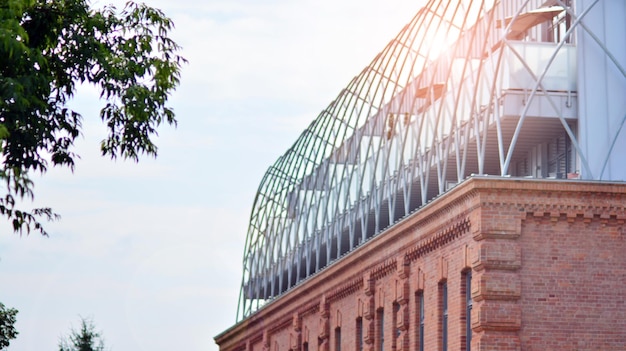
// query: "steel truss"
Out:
[467,87]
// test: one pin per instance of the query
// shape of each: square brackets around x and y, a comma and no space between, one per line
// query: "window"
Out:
[359,334]
[337,339]
[419,301]
[443,289]
[305,346]
[380,317]
[554,30]
[396,330]
[468,310]
[560,160]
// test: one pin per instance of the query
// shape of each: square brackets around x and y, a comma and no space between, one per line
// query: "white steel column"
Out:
[601,44]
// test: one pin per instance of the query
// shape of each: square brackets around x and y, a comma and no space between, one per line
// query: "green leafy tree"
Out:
[48,48]
[85,339]
[7,330]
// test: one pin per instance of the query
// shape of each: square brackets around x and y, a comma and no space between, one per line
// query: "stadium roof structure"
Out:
[516,88]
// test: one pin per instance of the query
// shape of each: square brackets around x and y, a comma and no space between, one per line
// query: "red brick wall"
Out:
[548,273]
[573,284]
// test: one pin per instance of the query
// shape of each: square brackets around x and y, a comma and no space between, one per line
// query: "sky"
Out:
[151,251]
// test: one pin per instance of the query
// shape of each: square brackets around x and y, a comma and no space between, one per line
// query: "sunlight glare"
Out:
[437,43]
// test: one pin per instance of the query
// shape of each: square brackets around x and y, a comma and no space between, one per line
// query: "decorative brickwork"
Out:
[441,238]
[383,269]
[346,289]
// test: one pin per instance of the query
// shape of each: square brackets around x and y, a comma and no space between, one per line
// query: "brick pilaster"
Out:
[402,299]
[496,284]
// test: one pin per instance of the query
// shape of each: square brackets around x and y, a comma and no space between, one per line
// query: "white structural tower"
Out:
[601,53]
[515,88]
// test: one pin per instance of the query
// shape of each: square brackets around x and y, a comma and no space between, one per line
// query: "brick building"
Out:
[385,228]
[544,262]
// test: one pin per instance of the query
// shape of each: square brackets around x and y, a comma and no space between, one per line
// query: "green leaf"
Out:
[48,48]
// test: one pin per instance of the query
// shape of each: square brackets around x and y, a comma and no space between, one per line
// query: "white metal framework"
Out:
[529,88]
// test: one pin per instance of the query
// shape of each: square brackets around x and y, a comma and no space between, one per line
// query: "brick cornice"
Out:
[443,237]
[383,269]
[284,323]
[578,212]
[309,307]
[445,206]
[345,289]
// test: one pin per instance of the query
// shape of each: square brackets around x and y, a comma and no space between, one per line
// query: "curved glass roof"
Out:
[466,87]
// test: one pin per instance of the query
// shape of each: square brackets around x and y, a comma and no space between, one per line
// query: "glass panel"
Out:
[561,76]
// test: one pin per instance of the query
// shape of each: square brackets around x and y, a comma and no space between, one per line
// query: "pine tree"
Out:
[85,339]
